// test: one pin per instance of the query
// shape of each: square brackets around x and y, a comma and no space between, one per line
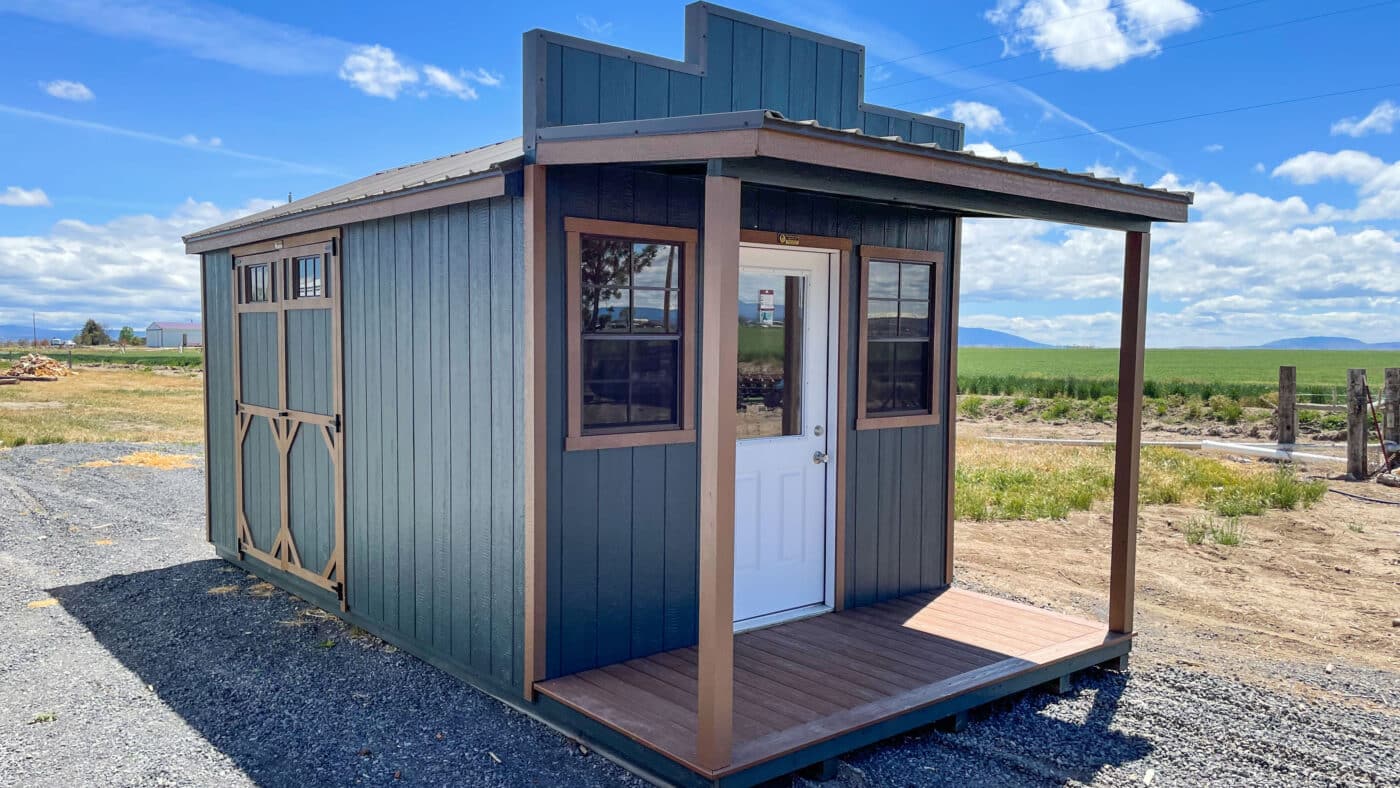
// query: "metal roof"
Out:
[434,172]
[175,326]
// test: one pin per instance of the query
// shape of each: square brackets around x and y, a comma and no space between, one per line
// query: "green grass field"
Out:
[134,356]
[1089,373]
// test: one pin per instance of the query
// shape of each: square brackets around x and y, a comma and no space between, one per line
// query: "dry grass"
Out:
[104,405]
[147,459]
[221,590]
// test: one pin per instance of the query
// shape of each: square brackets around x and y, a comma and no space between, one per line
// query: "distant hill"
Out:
[10,333]
[986,337]
[1328,343]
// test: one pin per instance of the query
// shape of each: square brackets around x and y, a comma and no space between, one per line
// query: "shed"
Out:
[160,334]
[644,422]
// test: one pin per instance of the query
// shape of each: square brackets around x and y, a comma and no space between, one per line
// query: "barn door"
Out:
[288,396]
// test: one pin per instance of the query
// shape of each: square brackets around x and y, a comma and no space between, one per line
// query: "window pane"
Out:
[882,320]
[654,390]
[307,273]
[656,311]
[911,376]
[914,280]
[770,354]
[884,280]
[913,318]
[603,277]
[604,360]
[607,314]
[655,265]
[879,388]
[604,405]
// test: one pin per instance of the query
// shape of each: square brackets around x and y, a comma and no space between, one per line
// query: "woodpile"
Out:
[33,366]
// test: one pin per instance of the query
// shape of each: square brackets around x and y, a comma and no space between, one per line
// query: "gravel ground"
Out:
[139,675]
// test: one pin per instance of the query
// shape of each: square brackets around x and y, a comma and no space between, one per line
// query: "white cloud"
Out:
[1214,147]
[1125,174]
[483,77]
[593,27]
[1247,269]
[1381,120]
[212,32]
[1259,167]
[448,83]
[376,71]
[129,271]
[978,117]
[68,90]
[1377,181]
[1091,34]
[988,150]
[17,197]
[194,141]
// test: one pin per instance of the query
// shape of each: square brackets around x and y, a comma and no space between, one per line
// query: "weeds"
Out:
[1058,409]
[1020,404]
[971,407]
[1196,529]
[1229,532]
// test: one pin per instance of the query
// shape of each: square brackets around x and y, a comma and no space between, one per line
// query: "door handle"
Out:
[821,457]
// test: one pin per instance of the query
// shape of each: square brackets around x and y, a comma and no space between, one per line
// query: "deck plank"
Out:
[805,682]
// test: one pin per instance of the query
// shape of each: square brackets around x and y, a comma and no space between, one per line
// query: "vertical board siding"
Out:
[308,363]
[895,478]
[622,524]
[746,66]
[257,358]
[433,430]
[218,393]
[311,499]
[262,491]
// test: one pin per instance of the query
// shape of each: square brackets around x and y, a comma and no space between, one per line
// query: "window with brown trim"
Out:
[307,281]
[257,283]
[632,348]
[901,309]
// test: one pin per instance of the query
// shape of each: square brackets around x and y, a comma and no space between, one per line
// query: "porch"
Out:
[807,690]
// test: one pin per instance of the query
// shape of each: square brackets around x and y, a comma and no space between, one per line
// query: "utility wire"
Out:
[1011,32]
[1005,59]
[1182,45]
[1212,113]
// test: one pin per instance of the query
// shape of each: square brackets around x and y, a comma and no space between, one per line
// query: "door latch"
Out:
[821,457]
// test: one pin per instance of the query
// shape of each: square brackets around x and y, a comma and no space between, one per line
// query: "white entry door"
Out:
[782,479]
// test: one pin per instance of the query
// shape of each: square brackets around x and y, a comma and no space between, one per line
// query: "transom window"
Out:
[900,310]
[257,284]
[306,277]
[630,300]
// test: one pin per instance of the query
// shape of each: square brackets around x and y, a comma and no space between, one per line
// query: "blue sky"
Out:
[126,124]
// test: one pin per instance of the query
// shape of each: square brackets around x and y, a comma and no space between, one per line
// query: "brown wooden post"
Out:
[1358,418]
[1288,405]
[536,377]
[719,358]
[1131,347]
[950,407]
[1392,405]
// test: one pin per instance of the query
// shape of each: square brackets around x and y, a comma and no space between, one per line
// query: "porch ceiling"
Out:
[764,147]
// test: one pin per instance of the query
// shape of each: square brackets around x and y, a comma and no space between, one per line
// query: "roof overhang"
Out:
[761,147]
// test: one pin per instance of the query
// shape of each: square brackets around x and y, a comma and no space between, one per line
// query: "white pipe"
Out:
[1085,441]
[1279,452]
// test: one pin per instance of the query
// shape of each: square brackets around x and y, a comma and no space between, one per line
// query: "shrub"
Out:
[1058,409]
[971,407]
[1103,409]
[1309,416]
[1228,533]
[1020,404]
[1196,528]
[1227,409]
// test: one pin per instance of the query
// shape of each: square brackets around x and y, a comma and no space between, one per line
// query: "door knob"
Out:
[821,457]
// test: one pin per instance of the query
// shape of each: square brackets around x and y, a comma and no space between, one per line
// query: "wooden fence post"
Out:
[1288,405]
[1392,405]
[1357,417]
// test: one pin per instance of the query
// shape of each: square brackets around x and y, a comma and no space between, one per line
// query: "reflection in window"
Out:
[632,328]
[770,354]
[255,284]
[899,349]
[306,277]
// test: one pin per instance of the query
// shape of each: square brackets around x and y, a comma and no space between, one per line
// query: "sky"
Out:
[125,124]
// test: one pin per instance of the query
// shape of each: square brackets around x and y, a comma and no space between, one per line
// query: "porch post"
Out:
[719,354]
[1129,442]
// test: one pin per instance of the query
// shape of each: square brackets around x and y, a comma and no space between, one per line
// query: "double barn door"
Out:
[288,400]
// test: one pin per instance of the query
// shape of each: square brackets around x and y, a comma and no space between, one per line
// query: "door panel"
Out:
[288,397]
[781,477]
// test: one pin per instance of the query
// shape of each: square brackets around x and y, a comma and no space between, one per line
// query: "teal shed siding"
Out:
[433,398]
[734,62]
[218,395]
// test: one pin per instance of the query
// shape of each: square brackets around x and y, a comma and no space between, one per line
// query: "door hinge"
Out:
[337,422]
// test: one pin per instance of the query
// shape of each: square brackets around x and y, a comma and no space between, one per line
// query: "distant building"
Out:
[174,335]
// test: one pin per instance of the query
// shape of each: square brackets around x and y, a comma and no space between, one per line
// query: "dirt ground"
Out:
[1318,586]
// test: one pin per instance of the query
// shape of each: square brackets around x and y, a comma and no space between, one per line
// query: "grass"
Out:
[134,356]
[104,405]
[1089,373]
[1049,482]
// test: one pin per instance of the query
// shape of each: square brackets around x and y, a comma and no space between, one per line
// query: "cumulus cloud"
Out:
[978,117]
[128,271]
[1377,181]
[1381,120]
[68,90]
[1248,268]
[16,197]
[1091,34]
[376,71]
[1125,174]
[990,151]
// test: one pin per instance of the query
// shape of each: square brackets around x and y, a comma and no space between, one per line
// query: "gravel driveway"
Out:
[129,655]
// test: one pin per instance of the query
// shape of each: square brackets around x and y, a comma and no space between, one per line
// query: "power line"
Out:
[1212,113]
[1013,31]
[1182,45]
[1046,50]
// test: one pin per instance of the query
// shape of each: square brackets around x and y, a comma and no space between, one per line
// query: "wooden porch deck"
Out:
[805,683]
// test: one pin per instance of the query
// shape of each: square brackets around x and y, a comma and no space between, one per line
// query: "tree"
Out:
[92,334]
[127,335]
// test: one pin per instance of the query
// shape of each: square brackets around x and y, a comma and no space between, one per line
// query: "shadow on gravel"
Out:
[295,698]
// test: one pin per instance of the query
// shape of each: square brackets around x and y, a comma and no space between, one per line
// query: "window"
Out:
[256,284]
[900,338]
[630,300]
[306,277]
